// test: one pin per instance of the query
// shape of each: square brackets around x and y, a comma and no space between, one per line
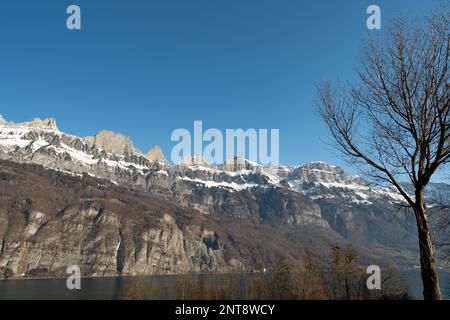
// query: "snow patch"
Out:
[226,185]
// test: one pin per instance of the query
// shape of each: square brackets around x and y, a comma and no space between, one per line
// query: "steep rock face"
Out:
[49,124]
[43,231]
[59,243]
[60,151]
[237,164]
[319,180]
[359,223]
[102,244]
[261,205]
[195,161]
[156,154]
[112,142]
[314,196]
[50,220]
[245,194]
[168,249]
[323,172]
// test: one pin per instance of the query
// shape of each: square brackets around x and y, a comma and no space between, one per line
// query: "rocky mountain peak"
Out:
[49,123]
[195,160]
[156,154]
[320,165]
[237,164]
[112,142]
[321,172]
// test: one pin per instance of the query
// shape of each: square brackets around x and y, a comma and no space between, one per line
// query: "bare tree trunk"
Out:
[430,278]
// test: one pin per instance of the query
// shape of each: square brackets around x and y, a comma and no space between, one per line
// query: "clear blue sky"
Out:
[145,68]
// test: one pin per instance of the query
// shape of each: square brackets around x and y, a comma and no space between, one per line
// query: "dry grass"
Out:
[343,279]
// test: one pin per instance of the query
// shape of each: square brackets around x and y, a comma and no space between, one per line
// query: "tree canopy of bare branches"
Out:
[394,123]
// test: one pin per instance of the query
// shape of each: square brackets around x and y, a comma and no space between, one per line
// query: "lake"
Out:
[113,288]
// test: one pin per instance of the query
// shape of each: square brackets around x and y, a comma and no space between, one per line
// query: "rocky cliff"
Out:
[86,220]
[50,220]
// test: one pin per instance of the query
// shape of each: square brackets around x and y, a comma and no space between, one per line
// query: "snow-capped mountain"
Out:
[321,180]
[40,142]
[315,195]
[112,156]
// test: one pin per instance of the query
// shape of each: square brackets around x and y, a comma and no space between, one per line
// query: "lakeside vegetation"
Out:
[342,279]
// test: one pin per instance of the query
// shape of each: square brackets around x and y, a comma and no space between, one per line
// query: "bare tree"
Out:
[394,123]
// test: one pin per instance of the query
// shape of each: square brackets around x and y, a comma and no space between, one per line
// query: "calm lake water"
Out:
[112,288]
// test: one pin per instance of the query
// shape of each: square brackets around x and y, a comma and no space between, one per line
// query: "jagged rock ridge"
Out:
[316,196]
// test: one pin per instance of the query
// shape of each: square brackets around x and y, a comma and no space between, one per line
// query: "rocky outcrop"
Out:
[238,164]
[195,160]
[102,244]
[315,196]
[50,220]
[156,154]
[168,249]
[43,231]
[49,123]
[57,150]
[112,142]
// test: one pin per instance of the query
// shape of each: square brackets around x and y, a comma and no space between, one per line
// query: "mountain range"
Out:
[100,203]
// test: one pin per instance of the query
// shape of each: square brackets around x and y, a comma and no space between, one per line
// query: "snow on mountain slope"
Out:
[232,186]
[321,180]
[315,180]
[57,150]
[40,142]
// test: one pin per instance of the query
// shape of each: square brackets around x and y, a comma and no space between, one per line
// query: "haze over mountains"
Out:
[102,204]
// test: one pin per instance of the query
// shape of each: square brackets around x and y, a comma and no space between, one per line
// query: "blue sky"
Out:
[145,68]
